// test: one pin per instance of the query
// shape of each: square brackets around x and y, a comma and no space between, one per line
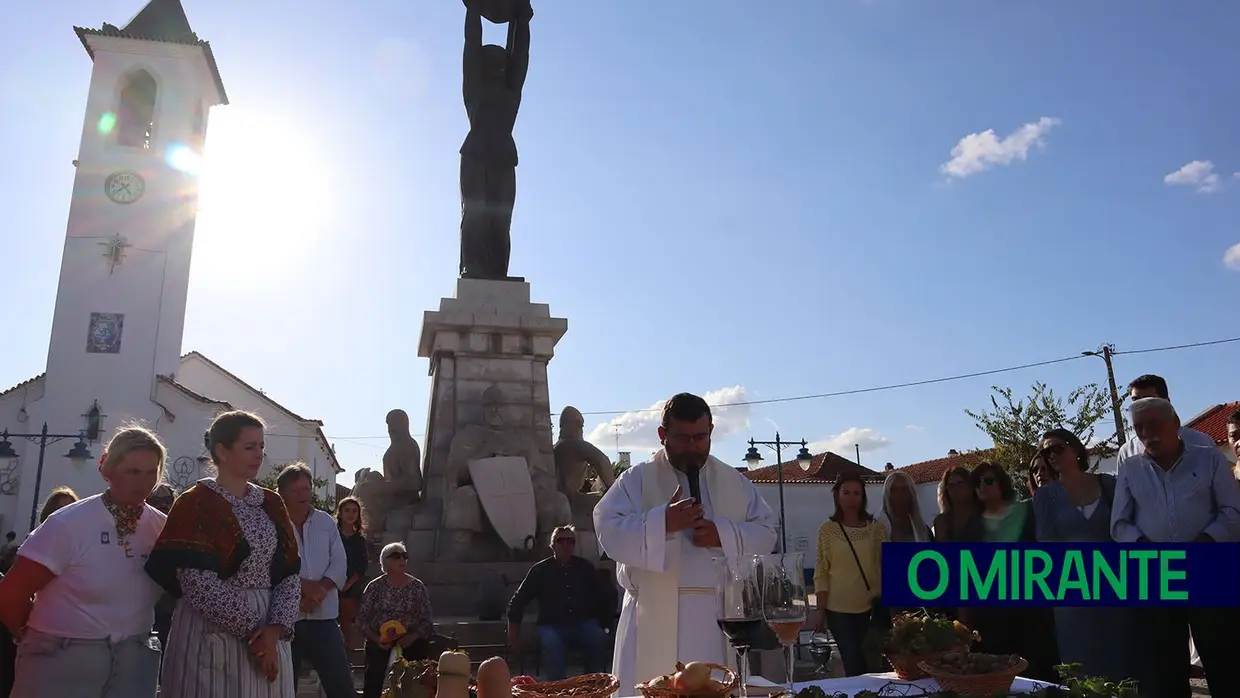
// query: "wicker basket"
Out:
[586,686]
[908,666]
[977,685]
[722,688]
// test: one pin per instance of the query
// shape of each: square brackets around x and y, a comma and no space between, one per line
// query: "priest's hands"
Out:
[681,514]
[706,534]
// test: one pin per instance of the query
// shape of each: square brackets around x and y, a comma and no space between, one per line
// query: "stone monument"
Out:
[573,454]
[389,500]
[488,460]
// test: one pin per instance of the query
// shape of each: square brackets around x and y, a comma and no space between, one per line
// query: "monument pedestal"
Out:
[488,334]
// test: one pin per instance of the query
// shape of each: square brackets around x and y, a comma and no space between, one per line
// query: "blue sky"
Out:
[737,195]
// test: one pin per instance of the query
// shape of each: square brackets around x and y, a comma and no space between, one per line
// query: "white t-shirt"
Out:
[100,589]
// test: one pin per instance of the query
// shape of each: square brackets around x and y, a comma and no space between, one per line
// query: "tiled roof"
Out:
[825,467]
[1213,421]
[324,443]
[24,384]
[249,387]
[932,470]
[168,380]
[163,21]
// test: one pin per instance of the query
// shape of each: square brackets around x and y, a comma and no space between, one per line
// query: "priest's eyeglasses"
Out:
[687,439]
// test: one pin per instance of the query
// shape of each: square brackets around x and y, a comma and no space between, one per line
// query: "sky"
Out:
[749,201]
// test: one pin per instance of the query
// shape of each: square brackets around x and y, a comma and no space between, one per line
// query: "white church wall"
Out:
[288,439]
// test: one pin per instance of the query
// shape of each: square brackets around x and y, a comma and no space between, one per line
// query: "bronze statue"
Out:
[493,79]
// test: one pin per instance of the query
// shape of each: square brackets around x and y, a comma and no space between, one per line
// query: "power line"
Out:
[872,389]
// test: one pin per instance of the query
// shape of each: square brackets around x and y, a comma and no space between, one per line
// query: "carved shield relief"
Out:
[506,494]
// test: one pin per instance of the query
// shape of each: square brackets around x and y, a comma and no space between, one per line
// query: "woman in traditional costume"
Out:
[87,631]
[229,555]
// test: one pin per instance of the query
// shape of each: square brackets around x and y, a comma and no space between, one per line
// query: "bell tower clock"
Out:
[124,275]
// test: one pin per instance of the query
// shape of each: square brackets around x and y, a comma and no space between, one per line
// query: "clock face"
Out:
[124,187]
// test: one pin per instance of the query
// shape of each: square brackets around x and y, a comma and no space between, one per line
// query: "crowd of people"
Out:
[228,588]
[225,590]
[1172,485]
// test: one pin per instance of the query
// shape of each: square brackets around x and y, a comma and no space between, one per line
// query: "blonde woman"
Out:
[230,556]
[87,632]
[901,515]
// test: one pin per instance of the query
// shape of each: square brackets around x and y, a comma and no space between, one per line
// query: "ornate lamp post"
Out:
[805,459]
[80,453]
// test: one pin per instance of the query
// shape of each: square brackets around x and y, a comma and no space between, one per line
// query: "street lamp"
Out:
[79,454]
[805,460]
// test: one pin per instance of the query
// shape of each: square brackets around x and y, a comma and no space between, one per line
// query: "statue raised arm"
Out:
[492,79]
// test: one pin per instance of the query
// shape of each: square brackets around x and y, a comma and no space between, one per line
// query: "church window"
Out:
[135,118]
[94,422]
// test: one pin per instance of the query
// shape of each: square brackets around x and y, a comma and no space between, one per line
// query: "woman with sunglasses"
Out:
[1029,632]
[394,596]
[1075,507]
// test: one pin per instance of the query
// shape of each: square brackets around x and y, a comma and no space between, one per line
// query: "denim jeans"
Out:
[587,635]
[321,643]
[48,665]
[849,631]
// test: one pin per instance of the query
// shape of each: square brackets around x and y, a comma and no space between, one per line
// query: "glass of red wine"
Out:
[739,608]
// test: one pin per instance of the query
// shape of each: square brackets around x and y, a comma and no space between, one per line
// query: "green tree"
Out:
[327,504]
[1016,425]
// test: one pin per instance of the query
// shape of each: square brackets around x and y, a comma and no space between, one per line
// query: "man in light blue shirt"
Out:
[1151,385]
[1174,492]
[317,637]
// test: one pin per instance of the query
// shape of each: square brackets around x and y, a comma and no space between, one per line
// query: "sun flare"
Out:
[263,192]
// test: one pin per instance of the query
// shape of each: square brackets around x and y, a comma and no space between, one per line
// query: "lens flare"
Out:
[184,158]
[107,122]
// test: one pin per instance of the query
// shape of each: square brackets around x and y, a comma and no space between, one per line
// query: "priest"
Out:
[662,522]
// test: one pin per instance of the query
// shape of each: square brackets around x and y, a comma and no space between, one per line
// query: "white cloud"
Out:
[914,427]
[1231,258]
[639,430]
[1198,174]
[846,442]
[978,152]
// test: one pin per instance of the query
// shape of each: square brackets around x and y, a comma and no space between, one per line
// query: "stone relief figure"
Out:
[371,490]
[463,514]
[493,78]
[400,484]
[572,454]
[402,462]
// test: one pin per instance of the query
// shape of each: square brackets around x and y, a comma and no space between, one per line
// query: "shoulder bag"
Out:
[880,615]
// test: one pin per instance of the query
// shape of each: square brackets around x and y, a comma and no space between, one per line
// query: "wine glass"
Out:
[738,608]
[784,600]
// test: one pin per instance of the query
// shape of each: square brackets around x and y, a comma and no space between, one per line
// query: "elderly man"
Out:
[318,639]
[1151,385]
[664,541]
[565,588]
[1175,492]
[1233,434]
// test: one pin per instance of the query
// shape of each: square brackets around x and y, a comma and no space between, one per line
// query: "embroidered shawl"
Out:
[202,532]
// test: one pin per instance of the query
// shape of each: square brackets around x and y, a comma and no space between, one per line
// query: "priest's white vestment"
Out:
[669,612]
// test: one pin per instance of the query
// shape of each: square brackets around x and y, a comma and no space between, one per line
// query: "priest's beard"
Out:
[687,460]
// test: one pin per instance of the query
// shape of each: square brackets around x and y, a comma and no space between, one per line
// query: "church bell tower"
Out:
[120,305]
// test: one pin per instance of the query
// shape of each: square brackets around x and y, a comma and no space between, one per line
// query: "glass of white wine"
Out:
[784,601]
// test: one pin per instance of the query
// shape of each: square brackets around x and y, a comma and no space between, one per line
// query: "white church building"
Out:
[115,355]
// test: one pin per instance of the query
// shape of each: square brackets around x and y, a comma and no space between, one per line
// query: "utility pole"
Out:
[1105,353]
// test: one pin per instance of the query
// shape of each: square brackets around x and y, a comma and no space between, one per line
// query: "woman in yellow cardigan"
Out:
[847,577]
